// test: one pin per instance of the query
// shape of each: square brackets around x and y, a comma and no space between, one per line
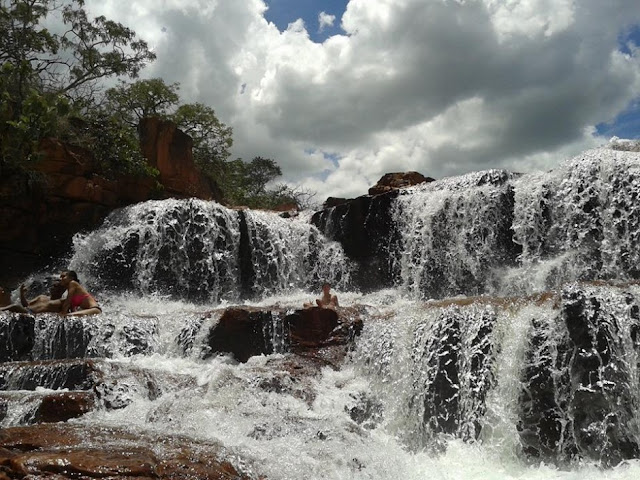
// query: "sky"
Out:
[340,92]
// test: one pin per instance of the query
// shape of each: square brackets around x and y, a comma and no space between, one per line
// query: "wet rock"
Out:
[543,401]
[64,451]
[365,229]
[603,390]
[17,336]
[365,410]
[54,375]
[3,408]
[247,332]
[243,333]
[579,396]
[60,407]
[312,327]
[67,337]
[458,359]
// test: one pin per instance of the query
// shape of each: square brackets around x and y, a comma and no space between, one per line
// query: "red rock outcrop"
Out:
[245,332]
[393,181]
[170,151]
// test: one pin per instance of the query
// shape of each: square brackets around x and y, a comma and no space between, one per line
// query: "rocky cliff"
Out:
[39,218]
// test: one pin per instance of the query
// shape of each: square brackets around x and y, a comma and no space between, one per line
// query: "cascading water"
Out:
[202,251]
[498,233]
[537,378]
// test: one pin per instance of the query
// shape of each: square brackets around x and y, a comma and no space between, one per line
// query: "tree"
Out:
[144,98]
[211,138]
[55,70]
[247,183]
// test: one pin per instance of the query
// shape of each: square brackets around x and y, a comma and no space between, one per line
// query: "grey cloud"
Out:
[390,81]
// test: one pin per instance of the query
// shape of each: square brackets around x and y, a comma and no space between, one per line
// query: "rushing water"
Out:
[160,268]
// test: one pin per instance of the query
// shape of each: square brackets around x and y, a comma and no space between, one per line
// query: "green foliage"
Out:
[211,138]
[20,134]
[46,76]
[247,184]
[50,86]
[114,144]
[145,98]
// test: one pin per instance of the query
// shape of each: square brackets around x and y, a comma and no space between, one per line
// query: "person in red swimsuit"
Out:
[78,301]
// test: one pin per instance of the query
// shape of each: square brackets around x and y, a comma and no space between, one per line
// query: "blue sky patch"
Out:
[625,125]
[284,12]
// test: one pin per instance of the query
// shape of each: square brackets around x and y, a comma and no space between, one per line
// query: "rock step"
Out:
[76,374]
[74,451]
[25,408]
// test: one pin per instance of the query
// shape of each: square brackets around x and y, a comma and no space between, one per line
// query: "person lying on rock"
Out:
[78,302]
[327,300]
[51,303]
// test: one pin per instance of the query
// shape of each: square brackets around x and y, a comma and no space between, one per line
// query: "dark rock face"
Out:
[55,375]
[446,273]
[543,402]
[16,337]
[580,397]
[365,229]
[60,407]
[458,360]
[243,333]
[194,259]
[247,332]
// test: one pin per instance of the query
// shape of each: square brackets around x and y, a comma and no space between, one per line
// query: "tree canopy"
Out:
[46,74]
[52,84]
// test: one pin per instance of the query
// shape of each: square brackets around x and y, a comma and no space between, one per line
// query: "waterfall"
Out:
[199,250]
[499,334]
[498,233]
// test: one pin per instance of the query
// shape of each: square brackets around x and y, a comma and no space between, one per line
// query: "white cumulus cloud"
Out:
[439,86]
[325,20]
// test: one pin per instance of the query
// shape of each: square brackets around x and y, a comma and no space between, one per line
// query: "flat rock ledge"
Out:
[80,452]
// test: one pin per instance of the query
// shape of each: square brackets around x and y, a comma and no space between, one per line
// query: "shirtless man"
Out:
[39,304]
[326,300]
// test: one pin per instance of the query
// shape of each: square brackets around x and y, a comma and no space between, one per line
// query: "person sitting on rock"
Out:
[51,303]
[78,302]
[327,300]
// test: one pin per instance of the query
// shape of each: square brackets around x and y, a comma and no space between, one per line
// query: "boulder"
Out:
[245,332]
[394,181]
[60,407]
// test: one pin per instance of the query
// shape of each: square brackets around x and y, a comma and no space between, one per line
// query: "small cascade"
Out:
[202,251]
[455,234]
[559,382]
[181,248]
[496,232]
[439,365]
[580,222]
[286,254]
